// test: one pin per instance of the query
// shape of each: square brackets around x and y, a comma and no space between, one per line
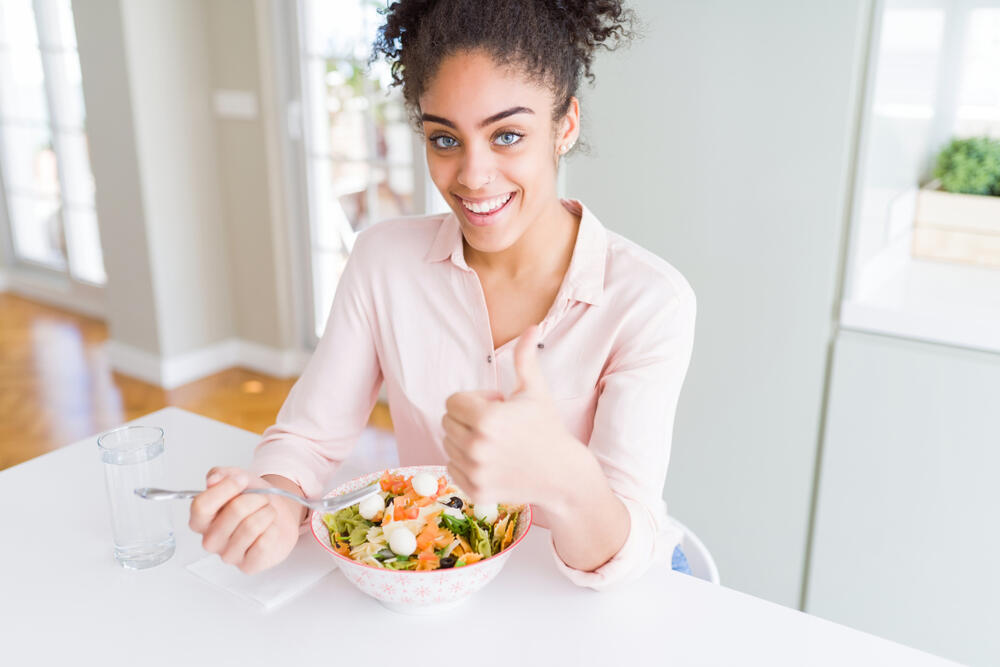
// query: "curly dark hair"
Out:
[552,41]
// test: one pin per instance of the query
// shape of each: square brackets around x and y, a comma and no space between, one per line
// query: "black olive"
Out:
[455,502]
[448,561]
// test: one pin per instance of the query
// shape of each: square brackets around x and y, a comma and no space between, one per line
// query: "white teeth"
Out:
[487,206]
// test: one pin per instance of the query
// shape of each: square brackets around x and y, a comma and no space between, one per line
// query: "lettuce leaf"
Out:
[456,526]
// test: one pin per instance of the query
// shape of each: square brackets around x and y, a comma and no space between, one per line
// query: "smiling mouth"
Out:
[486,206]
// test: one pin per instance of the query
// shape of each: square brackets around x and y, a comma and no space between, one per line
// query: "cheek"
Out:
[440,170]
[534,172]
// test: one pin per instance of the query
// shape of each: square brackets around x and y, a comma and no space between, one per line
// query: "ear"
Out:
[569,126]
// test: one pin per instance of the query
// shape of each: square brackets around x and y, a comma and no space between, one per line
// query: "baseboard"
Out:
[134,362]
[181,369]
[54,292]
[270,360]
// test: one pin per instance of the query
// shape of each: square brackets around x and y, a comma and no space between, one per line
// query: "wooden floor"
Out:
[56,386]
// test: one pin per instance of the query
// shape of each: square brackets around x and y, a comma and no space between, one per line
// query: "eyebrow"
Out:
[488,121]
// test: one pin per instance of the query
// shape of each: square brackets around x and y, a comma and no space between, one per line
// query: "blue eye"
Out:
[441,141]
[445,142]
[508,138]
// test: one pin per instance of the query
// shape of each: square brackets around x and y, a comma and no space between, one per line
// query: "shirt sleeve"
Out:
[632,434]
[328,407]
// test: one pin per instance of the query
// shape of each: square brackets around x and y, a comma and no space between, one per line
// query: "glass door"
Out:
[47,188]
[363,162]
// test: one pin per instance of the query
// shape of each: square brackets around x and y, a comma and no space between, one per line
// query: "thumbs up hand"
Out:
[508,449]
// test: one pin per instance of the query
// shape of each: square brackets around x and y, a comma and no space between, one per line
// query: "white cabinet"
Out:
[907,534]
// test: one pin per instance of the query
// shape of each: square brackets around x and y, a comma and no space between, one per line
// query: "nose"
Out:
[477,169]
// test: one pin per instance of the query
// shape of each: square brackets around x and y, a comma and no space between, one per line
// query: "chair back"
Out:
[702,564]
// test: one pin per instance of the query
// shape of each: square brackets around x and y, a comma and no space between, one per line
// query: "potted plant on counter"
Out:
[958,213]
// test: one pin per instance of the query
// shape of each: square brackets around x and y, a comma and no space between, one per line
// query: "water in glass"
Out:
[133,457]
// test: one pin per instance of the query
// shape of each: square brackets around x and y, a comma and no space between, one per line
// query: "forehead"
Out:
[469,87]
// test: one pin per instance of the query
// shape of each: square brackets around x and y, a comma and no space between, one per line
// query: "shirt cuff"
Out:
[283,466]
[272,460]
[636,555]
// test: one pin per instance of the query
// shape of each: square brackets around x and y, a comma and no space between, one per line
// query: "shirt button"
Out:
[541,345]
[489,358]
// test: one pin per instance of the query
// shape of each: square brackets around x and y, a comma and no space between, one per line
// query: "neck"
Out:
[544,249]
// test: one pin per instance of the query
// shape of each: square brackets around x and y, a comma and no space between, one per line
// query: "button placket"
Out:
[483,318]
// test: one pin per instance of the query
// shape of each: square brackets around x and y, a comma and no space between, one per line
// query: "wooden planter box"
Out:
[957,228]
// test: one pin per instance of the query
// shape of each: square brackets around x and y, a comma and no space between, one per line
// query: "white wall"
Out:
[722,142]
[131,315]
[169,74]
[246,166]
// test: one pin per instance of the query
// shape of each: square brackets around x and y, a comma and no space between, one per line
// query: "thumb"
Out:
[531,382]
[486,394]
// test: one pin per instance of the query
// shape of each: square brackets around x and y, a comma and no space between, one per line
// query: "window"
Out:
[48,188]
[363,162]
[978,104]
[932,76]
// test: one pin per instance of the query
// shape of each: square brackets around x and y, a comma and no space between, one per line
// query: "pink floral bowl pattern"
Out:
[413,592]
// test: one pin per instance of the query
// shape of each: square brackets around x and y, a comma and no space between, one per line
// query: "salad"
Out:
[421,523]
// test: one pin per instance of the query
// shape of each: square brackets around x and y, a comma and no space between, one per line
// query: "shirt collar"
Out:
[585,278]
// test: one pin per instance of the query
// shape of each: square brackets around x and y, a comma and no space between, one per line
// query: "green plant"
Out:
[970,166]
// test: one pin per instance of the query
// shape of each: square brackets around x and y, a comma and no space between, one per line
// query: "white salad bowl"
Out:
[417,592]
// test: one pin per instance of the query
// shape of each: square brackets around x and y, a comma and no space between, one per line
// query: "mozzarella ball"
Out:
[402,542]
[371,506]
[486,512]
[424,484]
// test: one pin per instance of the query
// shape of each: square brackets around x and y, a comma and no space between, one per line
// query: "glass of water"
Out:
[133,458]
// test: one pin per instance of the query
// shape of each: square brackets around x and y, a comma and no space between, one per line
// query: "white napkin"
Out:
[307,564]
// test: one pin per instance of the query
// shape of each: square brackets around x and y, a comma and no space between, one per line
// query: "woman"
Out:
[536,353]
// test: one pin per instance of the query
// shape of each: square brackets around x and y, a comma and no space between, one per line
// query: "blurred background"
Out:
[181,182]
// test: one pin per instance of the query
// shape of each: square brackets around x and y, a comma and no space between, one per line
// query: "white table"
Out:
[63,600]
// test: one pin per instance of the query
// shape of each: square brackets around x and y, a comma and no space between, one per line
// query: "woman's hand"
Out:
[514,449]
[252,531]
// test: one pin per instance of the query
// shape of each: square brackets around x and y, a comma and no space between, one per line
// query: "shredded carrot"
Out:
[508,536]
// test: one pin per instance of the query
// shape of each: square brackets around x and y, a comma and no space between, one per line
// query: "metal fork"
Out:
[330,504]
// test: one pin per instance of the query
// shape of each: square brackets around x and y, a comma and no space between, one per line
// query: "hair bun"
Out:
[594,23]
[552,40]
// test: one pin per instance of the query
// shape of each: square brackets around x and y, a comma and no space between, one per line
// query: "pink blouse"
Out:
[408,310]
